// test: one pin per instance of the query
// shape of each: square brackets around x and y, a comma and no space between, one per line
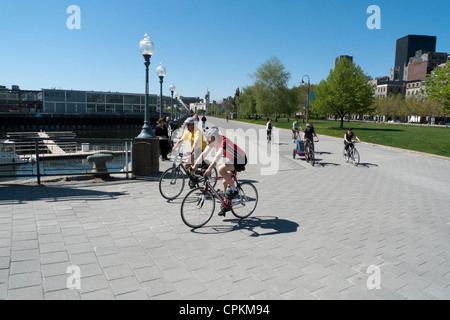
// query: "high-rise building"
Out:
[342,56]
[406,48]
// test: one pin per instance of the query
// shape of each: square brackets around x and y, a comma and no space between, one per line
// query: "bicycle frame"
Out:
[309,144]
[223,200]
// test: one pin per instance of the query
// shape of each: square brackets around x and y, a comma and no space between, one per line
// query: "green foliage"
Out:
[438,87]
[270,85]
[247,102]
[398,106]
[344,92]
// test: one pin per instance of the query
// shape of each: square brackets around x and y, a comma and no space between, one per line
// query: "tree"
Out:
[438,86]
[391,106]
[345,91]
[247,102]
[424,107]
[270,83]
[236,101]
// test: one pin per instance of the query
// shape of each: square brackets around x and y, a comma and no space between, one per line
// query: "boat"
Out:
[8,154]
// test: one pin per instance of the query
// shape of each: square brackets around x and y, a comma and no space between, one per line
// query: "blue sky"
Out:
[202,43]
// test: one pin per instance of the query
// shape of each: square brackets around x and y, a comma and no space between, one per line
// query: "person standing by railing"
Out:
[162,133]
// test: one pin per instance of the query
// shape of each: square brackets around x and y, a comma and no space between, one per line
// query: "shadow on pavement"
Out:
[258,226]
[22,194]
[368,165]
[322,152]
[326,164]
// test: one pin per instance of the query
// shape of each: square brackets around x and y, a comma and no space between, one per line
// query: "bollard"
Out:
[99,160]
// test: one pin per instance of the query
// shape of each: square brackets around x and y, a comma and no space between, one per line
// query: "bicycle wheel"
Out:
[171,183]
[244,204]
[212,179]
[355,157]
[345,155]
[197,208]
[312,157]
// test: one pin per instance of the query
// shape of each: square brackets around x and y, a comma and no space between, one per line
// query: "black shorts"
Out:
[238,165]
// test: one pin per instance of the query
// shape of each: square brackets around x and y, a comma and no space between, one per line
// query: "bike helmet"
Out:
[190,120]
[212,132]
[308,125]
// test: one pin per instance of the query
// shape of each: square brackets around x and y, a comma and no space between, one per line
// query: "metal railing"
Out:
[24,157]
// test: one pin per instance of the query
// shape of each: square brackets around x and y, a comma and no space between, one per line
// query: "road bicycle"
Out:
[351,154]
[172,181]
[199,204]
[309,152]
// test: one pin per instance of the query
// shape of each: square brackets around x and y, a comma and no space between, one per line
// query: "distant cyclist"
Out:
[309,134]
[348,136]
[269,127]
[296,129]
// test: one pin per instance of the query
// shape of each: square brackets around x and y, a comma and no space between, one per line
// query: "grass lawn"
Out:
[434,140]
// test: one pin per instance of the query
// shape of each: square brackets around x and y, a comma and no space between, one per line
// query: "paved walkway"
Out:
[333,231]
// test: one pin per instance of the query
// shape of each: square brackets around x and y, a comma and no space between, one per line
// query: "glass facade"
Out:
[69,101]
[79,102]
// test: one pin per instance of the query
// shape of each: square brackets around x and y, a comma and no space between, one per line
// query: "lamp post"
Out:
[145,151]
[307,102]
[161,71]
[172,90]
[178,108]
[147,48]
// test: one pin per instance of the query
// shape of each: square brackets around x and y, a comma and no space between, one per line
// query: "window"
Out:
[114,98]
[127,108]
[75,96]
[132,99]
[101,108]
[110,108]
[91,108]
[119,108]
[95,97]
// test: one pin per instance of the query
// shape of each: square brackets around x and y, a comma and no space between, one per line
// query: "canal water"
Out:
[74,166]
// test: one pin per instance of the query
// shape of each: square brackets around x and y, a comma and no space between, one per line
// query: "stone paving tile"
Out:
[130,243]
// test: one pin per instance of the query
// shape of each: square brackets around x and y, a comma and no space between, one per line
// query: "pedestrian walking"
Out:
[203,122]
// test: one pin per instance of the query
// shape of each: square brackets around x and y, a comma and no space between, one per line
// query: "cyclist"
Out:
[235,160]
[194,135]
[295,128]
[269,127]
[348,136]
[309,134]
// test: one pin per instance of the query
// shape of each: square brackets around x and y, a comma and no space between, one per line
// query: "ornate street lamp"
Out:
[307,102]
[172,90]
[147,48]
[161,71]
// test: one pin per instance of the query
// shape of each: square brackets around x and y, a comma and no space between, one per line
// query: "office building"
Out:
[406,48]
[384,87]
[338,58]
[422,64]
